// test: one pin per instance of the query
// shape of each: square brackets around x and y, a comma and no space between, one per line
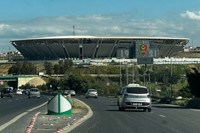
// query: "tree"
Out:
[54,83]
[48,67]
[56,69]
[25,68]
[194,80]
[185,92]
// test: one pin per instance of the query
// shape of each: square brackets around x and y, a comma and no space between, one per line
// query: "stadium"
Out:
[98,47]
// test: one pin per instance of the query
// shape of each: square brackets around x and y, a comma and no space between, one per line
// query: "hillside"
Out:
[4,68]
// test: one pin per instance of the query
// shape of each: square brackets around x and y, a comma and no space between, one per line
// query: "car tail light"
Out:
[149,96]
[126,103]
[126,95]
[148,103]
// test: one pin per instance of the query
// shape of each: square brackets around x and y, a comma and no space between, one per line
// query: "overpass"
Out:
[18,79]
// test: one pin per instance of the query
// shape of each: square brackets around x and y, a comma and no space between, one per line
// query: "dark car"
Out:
[7,92]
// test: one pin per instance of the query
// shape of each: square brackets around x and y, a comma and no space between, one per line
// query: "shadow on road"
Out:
[169,106]
[127,110]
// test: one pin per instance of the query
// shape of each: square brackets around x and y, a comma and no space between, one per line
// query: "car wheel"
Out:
[1,96]
[149,109]
[86,97]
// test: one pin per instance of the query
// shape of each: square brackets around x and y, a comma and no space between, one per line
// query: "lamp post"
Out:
[171,78]
[120,76]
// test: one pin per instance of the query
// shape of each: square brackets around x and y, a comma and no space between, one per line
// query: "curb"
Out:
[32,123]
[76,123]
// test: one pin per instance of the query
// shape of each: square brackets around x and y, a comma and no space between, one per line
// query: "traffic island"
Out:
[62,123]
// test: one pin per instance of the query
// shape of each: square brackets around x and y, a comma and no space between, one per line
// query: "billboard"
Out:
[144,54]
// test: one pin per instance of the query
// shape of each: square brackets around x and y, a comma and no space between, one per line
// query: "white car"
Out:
[19,91]
[34,92]
[72,92]
[134,96]
[91,93]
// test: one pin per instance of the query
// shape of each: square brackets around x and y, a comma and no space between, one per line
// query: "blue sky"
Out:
[21,19]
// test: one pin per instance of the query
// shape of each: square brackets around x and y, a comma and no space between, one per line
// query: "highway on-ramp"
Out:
[163,119]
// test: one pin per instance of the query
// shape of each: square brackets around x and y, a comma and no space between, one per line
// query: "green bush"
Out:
[194,103]
[180,102]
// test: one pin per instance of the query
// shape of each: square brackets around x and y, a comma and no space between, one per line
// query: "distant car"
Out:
[134,96]
[19,91]
[7,92]
[72,92]
[27,91]
[65,92]
[34,92]
[91,93]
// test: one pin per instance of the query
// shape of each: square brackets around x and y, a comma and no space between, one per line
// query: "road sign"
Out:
[145,60]
[108,84]
[1,82]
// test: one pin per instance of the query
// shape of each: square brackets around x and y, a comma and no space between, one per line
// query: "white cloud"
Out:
[97,25]
[191,15]
[3,26]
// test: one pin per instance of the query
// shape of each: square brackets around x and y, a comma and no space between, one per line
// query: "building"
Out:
[98,47]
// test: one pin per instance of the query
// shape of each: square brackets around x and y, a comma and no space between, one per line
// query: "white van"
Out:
[134,96]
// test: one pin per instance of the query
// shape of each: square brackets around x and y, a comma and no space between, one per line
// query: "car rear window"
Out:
[34,90]
[137,90]
[92,91]
[6,90]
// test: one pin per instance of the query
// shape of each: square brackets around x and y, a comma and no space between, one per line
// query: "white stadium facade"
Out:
[99,47]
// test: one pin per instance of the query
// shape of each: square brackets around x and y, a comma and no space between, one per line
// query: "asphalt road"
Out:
[163,119]
[17,112]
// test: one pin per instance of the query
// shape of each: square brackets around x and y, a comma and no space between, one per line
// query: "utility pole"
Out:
[120,76]
[73,30]
[133,73]
[126,73]
[171,77]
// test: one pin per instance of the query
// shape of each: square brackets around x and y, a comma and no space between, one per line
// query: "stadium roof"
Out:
[104,37]
[97,47]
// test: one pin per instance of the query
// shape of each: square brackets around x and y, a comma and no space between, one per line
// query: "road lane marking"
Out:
[2,127]
[37,107]
[12,121]
[162,116]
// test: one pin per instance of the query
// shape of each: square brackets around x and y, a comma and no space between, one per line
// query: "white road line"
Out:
[162,116]
[37,107]
[12,121]
[18,117]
